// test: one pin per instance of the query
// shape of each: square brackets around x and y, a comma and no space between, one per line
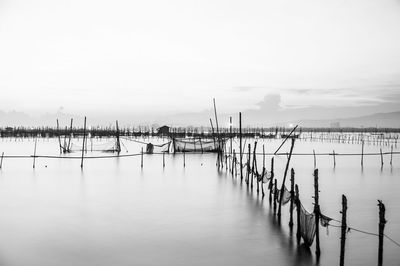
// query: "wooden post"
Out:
[381,157]
[362,153]
[230,133]
[271,180]
[263,156]
[382,223]
[334,159]
[1,162]
[391,155]
[262,182]
[141,159]
[240,146]
[275,195]
[34,154]
[248,165]
[292,199]
[317,213]
[343,230]
[184,158]
[315,160]
[59,138]
[117,136]
[297,201]
[253,169]
[83,141]
[284,179]
[69,139]
[163,160]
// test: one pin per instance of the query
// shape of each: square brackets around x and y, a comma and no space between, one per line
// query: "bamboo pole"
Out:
[343,230]
[83,141]
[292,199]
[286,139]
[382,222]
[317,213]
[284,179]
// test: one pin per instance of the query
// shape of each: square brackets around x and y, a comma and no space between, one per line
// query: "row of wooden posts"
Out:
[275,197]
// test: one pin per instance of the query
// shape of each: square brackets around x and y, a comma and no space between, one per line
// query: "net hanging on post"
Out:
[158,148]
[196,145]
[286,195]
[307,225]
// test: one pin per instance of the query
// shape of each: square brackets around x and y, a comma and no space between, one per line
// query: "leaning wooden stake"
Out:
[284,179]
[34,154]
[297,202]
[292,198]
[317,213]
[382,223]
[83,141]
[343,230]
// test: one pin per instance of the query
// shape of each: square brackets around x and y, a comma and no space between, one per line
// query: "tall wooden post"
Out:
[240,146]
[317,213]
[83,141]
[284,179]
[292,198]
[382,223]
[297,201]
[275,194]
[343,230]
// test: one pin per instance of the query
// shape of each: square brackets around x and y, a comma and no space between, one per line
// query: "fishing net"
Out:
[286,195]
[109,146]
[307,225]
[158,148]
[196,145]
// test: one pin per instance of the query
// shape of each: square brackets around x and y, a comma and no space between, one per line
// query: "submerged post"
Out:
[317,213]
[83,142]
[382,223]
[163,160]
[59,138]
[271,180]
[343,230]
[391,155]
[292,198]
[381,157]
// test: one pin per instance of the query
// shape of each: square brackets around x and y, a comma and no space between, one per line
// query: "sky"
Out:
[149,58]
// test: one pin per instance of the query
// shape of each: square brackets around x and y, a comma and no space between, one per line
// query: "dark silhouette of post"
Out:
[83,141]
[317,214]
[382,223]
[240,146]
[343,230]
[292,198]
[284,179]
[297,202]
